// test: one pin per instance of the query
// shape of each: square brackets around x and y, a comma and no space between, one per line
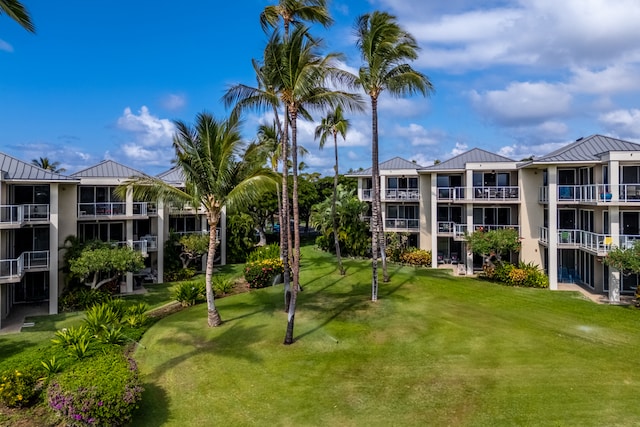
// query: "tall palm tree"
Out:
[293,12]
[16,11]
[214,179]
[46,164]
[385,49]
[303,73]
[331,125]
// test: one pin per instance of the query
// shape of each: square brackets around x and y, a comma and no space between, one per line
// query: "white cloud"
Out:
[149,130]
[622,122]
[617,78]
[523,103]
[174,101]
[5,46]
[402,107]
[457,150]
[417,135]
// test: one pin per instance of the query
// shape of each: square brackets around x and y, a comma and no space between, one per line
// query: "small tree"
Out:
[494,243]
[193,247]
[627,261]
[105,264]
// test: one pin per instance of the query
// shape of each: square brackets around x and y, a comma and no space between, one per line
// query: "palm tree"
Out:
[214,179]
[16,11]
[333,124]
[303,75]
[292,11]
[385,47]
[44,163]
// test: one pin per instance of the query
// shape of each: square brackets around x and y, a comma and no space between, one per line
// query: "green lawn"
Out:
[434,350]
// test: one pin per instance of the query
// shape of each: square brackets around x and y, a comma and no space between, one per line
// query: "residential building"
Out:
[40,209]
[570,208]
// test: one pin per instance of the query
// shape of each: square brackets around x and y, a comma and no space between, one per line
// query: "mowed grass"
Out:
[434,350]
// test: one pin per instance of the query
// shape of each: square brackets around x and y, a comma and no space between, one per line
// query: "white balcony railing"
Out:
[402,194]
[595,242]
[21,214]
[451,193]
[594,193]
[111,209]
[401,223]
[14,269]
[152,241]
[446,227]
[136,245]
[498,193]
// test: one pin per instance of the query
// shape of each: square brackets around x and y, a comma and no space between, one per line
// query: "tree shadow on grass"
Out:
[153,410]
[9,348]
[234,341]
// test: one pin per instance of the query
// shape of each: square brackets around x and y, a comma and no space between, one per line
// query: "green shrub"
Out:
[102,390]
[525,275]
[102,317]
[260,274]
[271,251]
[414,256]
[221,285]
[180,274]
[67,337]
[82,298]
[18,388]
[52,366]
[188,293]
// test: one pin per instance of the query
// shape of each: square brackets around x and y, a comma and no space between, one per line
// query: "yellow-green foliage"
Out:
[17,388]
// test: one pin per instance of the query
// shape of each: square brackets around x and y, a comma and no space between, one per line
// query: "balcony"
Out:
[367,194]
[152,242]
[599,244]
[401,224]
[108,210]
[496,194]
[15,216]
[12,270]
[412,194]
[450,193]
[446,227]
[136,245]
[460,230]
[594,193]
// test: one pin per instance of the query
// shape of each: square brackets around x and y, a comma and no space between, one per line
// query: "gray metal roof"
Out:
[475,155]
[587,149]
[397,163]
[17,170]
[108,169]
[172,176]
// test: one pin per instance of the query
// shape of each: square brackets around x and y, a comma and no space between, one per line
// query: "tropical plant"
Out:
[214,178]
[105,261]
[260,274]
[193,247]
[17,388]
[493,244]
[331,125]
[16,11]
[385,49]
[293,12]
[46,164]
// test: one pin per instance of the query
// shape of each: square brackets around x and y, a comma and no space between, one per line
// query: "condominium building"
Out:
[40,209]
[570,207]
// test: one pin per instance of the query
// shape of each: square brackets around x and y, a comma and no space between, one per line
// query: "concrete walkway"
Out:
[597,298]
[15,320]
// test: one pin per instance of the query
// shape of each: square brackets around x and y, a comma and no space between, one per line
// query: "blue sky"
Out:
[104,80]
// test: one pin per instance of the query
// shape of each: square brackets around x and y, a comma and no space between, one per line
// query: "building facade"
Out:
[40,209]
[570,207]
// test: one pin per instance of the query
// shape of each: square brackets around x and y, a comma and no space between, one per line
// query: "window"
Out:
[492,216]
[402,212]
[105,231]
[630,174]
[566,177]
[28,194]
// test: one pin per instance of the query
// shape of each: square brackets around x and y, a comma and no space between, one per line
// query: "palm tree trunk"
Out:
[285,232]
[213,317]
[334,217]
[295,265]
[375,204]
[383,249]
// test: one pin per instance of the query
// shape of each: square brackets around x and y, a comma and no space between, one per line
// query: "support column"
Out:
[614,275]
[468,195]
[552,238]
[433,219]
[161,239]
[54,244]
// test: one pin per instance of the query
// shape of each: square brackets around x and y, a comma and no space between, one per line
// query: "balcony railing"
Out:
[595,242]
[367,194]
[152,241]
[499,193]
[593,193]
[460,230]
[402,194]
[400,223]
[451,193]
[110,209]
[136,245]
[14,269]
[446,227]
[20,214]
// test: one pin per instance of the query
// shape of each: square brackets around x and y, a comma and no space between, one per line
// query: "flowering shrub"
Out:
[102,390]
[17,388]
[415,256]
[260,274]
[525,275]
